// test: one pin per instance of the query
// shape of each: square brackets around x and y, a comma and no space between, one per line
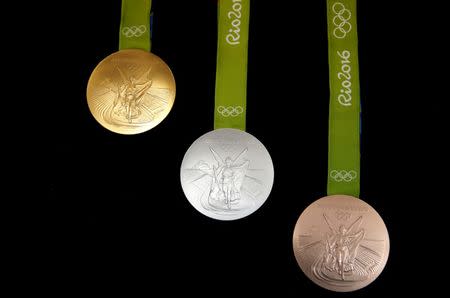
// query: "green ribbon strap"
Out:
[343,139]
[135,25]
[231,72]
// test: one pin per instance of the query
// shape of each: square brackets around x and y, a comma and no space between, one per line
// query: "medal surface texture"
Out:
[341,243]
[227,174]
[131,91]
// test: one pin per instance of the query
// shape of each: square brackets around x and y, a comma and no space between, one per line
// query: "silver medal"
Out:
[341,243]
[227,174]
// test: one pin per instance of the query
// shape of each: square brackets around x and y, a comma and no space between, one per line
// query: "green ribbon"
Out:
[135,25]
[344,121]
[231,73]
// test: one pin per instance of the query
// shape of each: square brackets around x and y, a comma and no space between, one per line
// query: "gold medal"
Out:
[131,91]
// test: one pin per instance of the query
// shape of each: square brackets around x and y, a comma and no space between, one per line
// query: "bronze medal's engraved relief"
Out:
[131,91]
[341,243]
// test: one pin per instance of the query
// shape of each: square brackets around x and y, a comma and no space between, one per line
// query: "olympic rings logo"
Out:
[134,31]
[343,175]
[342,215]
[341,20]
[230,111]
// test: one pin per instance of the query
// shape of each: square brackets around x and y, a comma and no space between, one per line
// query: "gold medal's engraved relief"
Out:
[131,91]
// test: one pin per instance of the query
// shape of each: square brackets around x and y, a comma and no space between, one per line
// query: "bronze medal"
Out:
[341,243]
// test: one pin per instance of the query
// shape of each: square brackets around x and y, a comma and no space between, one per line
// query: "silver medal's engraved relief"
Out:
[225,179]
[341,243]
[227,174]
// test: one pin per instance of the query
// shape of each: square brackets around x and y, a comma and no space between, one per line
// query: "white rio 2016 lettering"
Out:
[345,96]
[233,37]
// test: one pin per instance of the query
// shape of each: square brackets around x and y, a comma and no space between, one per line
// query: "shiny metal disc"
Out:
[131,91]
[341,243]
[227,174]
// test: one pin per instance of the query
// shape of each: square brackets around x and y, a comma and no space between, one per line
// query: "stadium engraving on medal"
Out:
[227,174]
[131,91]
[341,243]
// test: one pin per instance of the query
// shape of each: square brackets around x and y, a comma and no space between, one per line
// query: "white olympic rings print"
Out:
[341,20]
[343,175]
[134,31]
[230,111]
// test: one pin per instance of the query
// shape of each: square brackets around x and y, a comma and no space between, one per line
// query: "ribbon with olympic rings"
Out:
[134,22]
[344,114]
[231,71]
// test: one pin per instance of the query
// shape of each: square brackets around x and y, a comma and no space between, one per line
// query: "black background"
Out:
[114,216]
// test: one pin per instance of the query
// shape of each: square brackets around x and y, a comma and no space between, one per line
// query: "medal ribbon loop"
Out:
[344,114]
[135,25]
[231,73]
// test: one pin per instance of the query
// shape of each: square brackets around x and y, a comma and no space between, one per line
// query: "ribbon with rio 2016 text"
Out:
[231,73]
[344,117]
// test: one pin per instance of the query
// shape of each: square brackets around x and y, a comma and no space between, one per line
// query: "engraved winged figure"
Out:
[341,247]
[136,99]
[343,253]
[226,181]
[128,102]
